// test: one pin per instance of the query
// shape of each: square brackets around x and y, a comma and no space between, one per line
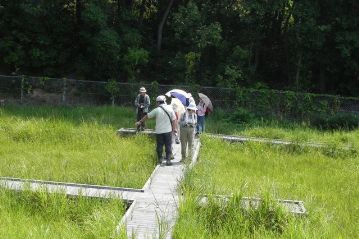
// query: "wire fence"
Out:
[62,91]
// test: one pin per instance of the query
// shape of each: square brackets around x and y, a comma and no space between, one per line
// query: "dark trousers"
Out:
[140,115]
[166,140]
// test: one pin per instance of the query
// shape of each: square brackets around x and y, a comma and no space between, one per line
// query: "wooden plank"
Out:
[292,206]
[71,190]
[79,185]
[240,139]
[132,131]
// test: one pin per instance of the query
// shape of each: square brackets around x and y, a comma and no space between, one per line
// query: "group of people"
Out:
[174,122]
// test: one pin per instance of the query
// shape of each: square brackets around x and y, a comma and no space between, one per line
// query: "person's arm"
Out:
[147,101]
[204,107]
[142,120]
[174,126]
[173,121]
[136,101]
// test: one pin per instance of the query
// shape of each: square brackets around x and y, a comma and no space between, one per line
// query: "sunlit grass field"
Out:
[291,131]
[77,145]
[327,182]
[42,215]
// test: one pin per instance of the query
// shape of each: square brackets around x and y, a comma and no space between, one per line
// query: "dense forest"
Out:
[301,45]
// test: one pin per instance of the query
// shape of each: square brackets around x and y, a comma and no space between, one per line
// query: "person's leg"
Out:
[203,123]
[183,142]
[177,139]
[190,143]
[173,137]
[139,116]
[200,124]
[168,146]
[159,147]
[143,125]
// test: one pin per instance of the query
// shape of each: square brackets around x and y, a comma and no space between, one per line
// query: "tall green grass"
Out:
[293,131]
[327,182]
[73,145]
[41,215]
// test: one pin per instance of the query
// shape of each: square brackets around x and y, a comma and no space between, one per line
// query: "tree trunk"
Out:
[161,25]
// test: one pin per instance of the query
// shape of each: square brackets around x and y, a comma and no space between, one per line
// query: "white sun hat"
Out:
[161,98]
[192,106]
[143,90]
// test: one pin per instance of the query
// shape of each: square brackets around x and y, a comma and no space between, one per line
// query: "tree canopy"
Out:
[306,45]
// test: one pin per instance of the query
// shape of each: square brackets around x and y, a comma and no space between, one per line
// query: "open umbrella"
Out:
[177,106]
[206,100]
[179,94]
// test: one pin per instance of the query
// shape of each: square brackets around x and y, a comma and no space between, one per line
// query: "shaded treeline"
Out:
[304,45]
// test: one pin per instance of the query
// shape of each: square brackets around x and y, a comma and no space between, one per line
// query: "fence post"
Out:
[64,89]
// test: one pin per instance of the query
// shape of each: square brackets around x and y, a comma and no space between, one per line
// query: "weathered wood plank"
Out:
[71,189]
[292,206]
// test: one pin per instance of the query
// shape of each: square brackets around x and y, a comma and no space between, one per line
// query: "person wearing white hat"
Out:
[179,109]
[191,99]
[142,103]
[165,125]
[188,123]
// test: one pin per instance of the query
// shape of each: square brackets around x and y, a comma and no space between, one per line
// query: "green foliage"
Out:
[209,35]
[94,17]
[134,58]
[220,213]
[186,23]
[113,88]
[240,116]
[132,38]
[288,45]
[341,121]
[155,91]
[284,105]
[191,60]
[106,45]
[41,214]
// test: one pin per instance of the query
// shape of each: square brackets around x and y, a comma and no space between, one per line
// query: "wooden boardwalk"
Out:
[72,189]
[154,213]
[243,139]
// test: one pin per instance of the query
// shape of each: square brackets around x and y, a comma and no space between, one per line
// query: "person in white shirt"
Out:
[165,125]
[201,113]
[179,109]
[188,123]
[191,99]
